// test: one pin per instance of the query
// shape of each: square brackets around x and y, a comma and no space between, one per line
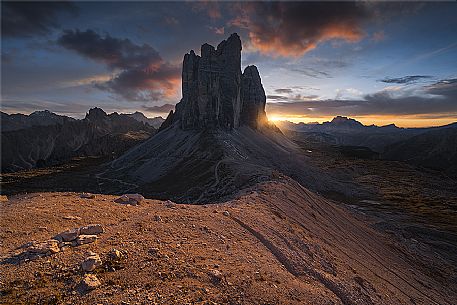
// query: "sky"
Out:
[378,62]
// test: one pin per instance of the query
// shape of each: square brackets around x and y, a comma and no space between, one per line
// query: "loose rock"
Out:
[87,196]
[132,199]
[91,262]
[85,239]
[115,255]
[226,213]
[215,276]
[3,198]
[47,247]
[90,282]
[170,204]
[91,229]
[69,235]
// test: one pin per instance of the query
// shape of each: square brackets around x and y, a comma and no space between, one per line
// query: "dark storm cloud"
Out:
[293,28]
[144,75]
[116,53]
[405,79]
[381,103]
[25,19]
[160,109]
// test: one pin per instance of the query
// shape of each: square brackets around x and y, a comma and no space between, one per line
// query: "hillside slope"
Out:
[436,149]
[277,243]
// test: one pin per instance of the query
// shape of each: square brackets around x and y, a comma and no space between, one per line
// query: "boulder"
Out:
[85,239]
[47,247]
[94,229]
[69,235]
[132,199]
[91,262]
[90,282]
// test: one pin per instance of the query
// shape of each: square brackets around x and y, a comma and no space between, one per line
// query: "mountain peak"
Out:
[216,94]
[346,122]
[96,114]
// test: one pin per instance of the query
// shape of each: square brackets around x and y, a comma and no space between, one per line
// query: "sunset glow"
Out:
[380,64]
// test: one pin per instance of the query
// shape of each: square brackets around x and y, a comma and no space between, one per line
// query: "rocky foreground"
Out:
[276,243]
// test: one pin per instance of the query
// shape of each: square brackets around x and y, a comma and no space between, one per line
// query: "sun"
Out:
[274,118]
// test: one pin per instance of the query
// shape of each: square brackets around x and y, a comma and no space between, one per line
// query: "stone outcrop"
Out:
[253,97]
[215,92]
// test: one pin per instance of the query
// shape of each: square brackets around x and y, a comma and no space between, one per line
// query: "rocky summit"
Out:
[215,92]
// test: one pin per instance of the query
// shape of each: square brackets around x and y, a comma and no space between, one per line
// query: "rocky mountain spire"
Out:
[215,92]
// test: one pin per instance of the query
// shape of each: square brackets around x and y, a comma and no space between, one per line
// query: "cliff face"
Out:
[253,97]
[215,92]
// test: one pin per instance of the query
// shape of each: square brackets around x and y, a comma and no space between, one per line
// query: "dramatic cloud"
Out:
[445,87]
[405,79]
[143,74]
[294,28]
[442,100]
[25,19]
[116,53]
[211,8]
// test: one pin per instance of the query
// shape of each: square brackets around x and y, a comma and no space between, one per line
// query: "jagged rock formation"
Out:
[57,141]
[218,140]
[215,92]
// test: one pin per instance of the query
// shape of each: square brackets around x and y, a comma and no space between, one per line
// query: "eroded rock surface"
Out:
[215,92]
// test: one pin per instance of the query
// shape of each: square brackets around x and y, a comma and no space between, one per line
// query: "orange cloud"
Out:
[292,29]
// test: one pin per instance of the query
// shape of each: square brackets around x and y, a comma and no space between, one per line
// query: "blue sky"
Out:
[378,62]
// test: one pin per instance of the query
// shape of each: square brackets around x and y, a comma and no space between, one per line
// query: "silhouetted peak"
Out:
[345,122]
[43,113]
[96,114]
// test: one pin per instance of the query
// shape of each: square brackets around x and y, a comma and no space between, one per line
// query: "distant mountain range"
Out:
[18,121]
[433,147]
[140,117]
[44,138]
